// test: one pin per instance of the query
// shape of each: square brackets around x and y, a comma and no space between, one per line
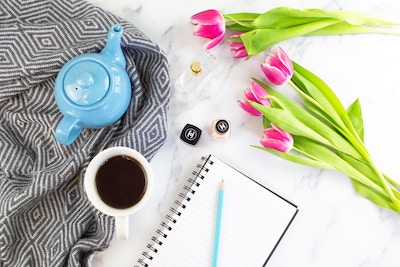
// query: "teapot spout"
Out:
[113,46]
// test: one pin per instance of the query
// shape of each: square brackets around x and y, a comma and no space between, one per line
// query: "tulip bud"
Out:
[278,67]
[277,139]
[255,93]
[209,24]
[237,47]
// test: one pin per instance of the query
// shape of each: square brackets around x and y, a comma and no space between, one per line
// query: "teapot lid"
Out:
[86,82]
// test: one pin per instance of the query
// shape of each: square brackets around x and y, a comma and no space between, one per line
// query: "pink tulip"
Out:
[278,67]
[254,93]
[237,47]
[277,139]
[209,24]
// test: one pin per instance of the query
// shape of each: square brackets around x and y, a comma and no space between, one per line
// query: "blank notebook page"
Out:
[254,219]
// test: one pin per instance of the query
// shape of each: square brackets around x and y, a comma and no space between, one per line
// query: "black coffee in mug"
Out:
[121,182]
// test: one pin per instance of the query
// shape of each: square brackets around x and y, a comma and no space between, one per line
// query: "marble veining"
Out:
[335,226]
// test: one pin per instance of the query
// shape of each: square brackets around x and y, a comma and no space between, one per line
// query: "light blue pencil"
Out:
[218,225]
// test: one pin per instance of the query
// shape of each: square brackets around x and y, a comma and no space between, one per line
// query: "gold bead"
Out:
[196,68]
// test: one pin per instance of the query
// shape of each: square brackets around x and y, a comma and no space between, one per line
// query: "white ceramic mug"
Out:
[121,215]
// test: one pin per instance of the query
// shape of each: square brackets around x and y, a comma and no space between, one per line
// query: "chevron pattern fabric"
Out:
[45,217]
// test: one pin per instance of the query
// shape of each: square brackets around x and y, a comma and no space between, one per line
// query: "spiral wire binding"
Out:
[184,197]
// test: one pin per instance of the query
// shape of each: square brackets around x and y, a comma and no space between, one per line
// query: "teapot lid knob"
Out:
[86,82]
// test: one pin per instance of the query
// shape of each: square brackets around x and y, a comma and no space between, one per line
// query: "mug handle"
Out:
[122,227]
[68,130]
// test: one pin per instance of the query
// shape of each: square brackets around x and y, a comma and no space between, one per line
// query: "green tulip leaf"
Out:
[346,28]
[266,122]
[258,40]
[241,22]
[376,197]
[320,92]
[355,115]
[285,17]
[327,155]
[363,167]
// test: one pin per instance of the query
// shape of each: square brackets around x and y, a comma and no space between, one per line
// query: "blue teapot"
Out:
[92,90]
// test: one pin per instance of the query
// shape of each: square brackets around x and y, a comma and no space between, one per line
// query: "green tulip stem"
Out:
[275,99]
[384,182]
[395,183]
[304,95]
[298,150]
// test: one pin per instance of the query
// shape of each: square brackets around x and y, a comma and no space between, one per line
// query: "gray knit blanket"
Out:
[45,217]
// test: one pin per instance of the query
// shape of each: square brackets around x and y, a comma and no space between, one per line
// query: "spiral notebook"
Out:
[254,220]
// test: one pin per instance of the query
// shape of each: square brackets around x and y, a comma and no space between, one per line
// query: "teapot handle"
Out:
[68,130]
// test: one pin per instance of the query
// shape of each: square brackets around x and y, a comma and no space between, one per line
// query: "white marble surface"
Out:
[335,226]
